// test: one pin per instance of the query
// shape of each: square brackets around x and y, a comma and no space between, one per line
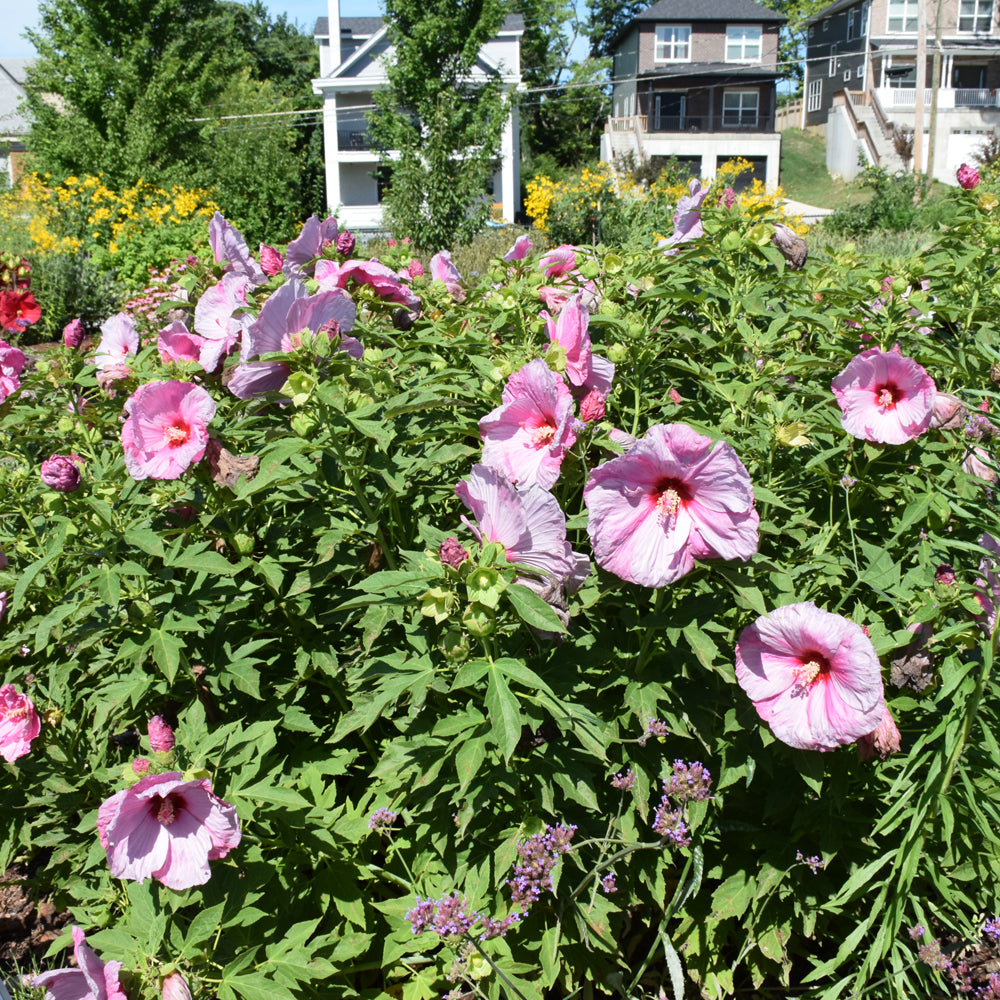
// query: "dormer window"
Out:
[673,43]
[743,43]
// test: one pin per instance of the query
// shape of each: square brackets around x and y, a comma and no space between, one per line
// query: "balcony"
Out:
[949,98]
[354,139]
[692,124]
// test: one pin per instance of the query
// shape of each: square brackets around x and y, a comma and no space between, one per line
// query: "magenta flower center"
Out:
[670,496]
[14,713]
[887,396]
[177,434]
[165,809]
[814,667]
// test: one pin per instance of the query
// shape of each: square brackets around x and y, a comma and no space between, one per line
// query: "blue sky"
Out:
[17,15]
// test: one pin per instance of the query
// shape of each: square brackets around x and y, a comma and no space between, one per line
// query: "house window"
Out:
[832,71]
[673,43]
[739,108]
[975,16]
[743,43]
[903,15]
[826,24]
[866,8]
[814,95]
[847,76]
[859,73]
[850,25]
[812,30]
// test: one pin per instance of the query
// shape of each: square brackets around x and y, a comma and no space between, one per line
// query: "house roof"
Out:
[834,8]
[363,27]
[709,10]
[12,75]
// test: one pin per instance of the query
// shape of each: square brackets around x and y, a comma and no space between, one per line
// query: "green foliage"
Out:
[606,21]
[322,662]
[443,127]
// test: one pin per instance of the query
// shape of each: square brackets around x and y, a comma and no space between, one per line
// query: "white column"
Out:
[509,168]
[333,16]
[331,152]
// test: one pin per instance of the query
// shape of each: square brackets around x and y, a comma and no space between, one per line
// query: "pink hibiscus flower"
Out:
[19,722]
[214,320]
[443,269]
[519,250]
[988,584]
[558,262]
[383,280]
[166,429]
[92,979]
[571,331]
[12,361]
[228,245]
[813,676]
[166,828]
[527,436]
[687,216]
[528,523]
[301,253]
[119,340]
[884,397]
[672,498]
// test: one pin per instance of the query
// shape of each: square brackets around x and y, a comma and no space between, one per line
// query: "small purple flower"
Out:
[813,862]
[448,916]
[625,780]
[538,857]
[992,929]
[62,473]
[346,243]
[609,883]
[453,553]
[669,822]
[381,820]
[847,482]
[688,782]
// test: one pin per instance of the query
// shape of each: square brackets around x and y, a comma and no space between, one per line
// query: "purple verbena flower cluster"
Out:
[625,780]
[992,929]
[610,883]
[448,916]
[686,783]
[814,861]
[538,856]
[958,973]
[654,727]
[381,820]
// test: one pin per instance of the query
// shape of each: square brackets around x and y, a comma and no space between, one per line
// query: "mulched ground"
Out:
[27,928]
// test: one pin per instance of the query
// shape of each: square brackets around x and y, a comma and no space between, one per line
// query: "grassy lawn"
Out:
[803,174]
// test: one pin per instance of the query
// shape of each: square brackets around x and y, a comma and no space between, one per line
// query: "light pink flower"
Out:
[119,340]
[177,343]
[62,472]
[161,735]
[166,828]
[949,412]
[988,585]
[672,498]
[687,216]
[967,177]
[309,244]
[558,262]
[12,361]
[527,436]
[3,604]
[519,250]
[443,269]
[884,397]
[175,987]
[228,245]
[570,331]
[528,523]
[383,280]
[980,464]
[214,318]
[813,676]
[166,429]
[92,979]
[884,740]
[19,722]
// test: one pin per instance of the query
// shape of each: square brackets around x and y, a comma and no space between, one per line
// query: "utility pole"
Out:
[935,85]
[918,110]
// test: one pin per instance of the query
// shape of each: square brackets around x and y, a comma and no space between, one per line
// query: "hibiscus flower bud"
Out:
[346,243]
[883,740]
[161,736]
[271,261]
[967,177]
[62,473]
[415,268]
[592,407]
[140,766]
[73,334]
[978,463]
[793,248]
[949,412]
[175,988]
[945,575]
[453,553]
[727,198]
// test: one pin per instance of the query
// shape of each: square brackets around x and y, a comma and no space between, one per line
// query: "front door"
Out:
[668,112]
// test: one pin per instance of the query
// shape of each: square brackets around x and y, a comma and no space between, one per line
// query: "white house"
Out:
[13,124]
[353,52]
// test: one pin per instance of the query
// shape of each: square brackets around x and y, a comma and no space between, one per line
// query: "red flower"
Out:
[18,310]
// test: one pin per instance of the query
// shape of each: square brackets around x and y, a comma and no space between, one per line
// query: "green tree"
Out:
[566,101]
[606,20]
[158,90]
[438,129]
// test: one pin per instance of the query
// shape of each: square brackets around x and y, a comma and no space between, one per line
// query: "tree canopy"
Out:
[438,129]
[143,89]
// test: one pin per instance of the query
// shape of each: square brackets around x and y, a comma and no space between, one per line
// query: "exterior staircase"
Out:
[874,129]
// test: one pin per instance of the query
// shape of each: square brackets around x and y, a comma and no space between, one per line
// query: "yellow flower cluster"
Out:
[85,211]
[594,185]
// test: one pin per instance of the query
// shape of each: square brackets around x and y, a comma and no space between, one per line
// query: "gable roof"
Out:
[363,27]
[710,10]
[12,74]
